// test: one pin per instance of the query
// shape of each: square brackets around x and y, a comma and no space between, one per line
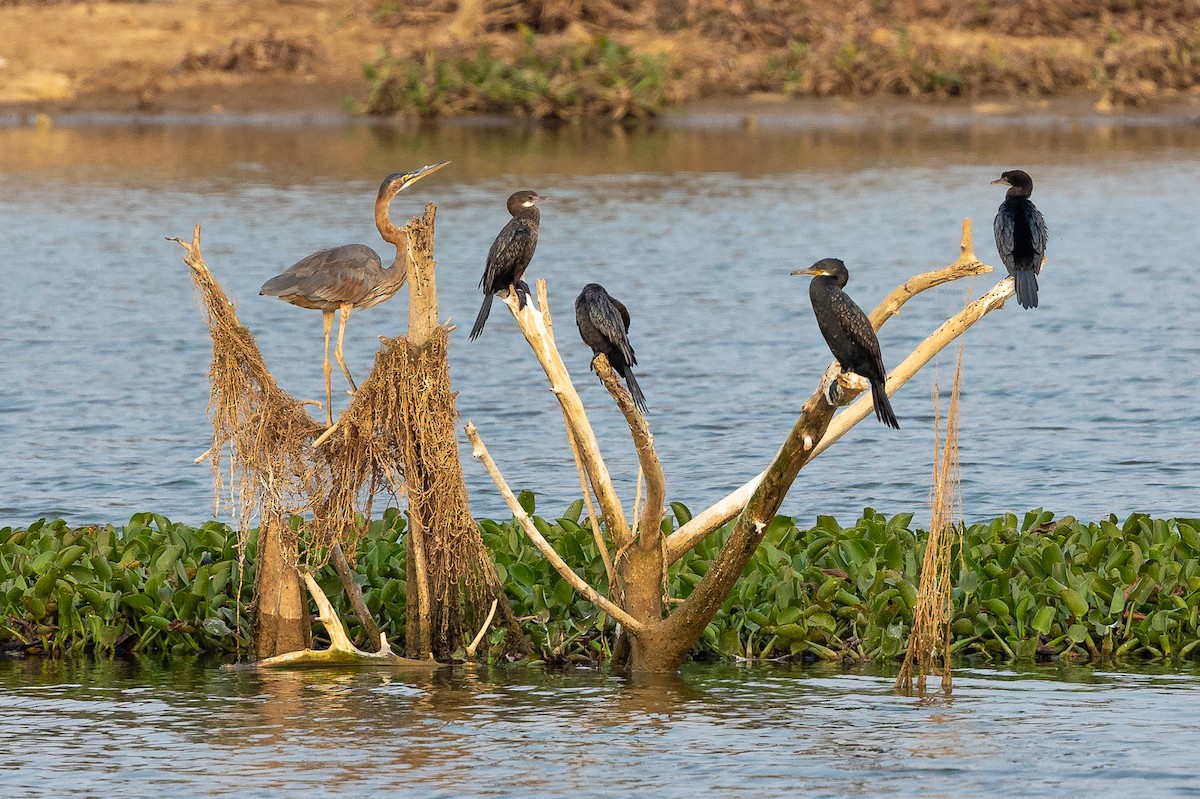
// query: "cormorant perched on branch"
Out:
[1020,235]
[351,276]
[510,254]
[847,331]
[603,322]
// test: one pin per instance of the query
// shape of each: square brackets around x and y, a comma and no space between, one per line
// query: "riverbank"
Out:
[308,58]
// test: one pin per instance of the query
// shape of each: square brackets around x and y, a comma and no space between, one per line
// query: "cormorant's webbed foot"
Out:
[830,388]
[522,289]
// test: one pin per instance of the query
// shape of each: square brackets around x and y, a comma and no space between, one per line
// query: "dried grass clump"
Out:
[269,53]
[930,634]
[264,432]
[398,435]
[539,16]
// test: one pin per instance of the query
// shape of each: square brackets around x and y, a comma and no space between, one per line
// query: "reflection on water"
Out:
[139,730]
[1083,406]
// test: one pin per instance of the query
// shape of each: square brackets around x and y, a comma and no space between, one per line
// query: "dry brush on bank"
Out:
[532,59]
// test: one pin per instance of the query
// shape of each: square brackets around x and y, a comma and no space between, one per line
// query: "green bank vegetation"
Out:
[565,82]
[601,58]
[1024,588]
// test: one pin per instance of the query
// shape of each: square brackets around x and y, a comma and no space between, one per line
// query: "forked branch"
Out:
[704,523]
[536,326]
[649,525]
[580,585]
[341,649]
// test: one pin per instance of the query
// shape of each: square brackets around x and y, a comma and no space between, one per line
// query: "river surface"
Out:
[1086,405]
[140,730]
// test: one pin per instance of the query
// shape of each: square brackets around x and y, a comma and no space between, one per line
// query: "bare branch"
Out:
[578,583]
[649,525]
[704,523]
[340,650]
[536,327]
[471,647]
[951,329]
[597,535]
[353,592]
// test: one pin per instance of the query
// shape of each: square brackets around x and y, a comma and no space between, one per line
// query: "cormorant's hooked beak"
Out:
[812,270]
[1001,182]
[412,177]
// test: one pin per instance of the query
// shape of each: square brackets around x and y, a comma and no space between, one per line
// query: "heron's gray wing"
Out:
[611,323]
[1006,237]
[510,253]
[335,276]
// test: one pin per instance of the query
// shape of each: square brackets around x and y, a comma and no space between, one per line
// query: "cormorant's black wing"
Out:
[510,254]
[1004,227]
[1037,233]
[334,276]
[858,330]
[605,317]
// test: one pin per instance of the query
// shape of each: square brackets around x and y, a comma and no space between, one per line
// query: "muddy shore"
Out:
[303,59]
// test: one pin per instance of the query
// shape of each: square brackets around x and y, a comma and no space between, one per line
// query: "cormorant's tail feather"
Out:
[1026,284]
[883,406]
[635,390]
[484,310]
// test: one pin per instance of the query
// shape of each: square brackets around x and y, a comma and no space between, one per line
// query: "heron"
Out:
[1020,235]
[351,276]
[603,322]
[510,255]
[848,331]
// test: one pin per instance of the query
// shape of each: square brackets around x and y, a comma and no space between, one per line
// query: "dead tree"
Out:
[398,436]
[656,640]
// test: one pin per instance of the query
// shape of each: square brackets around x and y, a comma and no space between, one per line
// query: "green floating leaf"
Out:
[1043,620]
[1074,601]
[217,628]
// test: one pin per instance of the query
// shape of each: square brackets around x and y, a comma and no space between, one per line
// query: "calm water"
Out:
[127,730]
[1084,406]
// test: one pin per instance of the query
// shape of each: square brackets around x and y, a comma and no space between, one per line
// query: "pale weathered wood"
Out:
[649,524]
[707,521]
[536,326]
[341,650]
[581,586]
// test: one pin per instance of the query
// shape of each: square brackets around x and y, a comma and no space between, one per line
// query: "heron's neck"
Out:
[396,273]
[389,232]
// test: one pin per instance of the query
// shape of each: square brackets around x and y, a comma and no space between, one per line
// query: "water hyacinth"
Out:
[1023,589]
[567,81]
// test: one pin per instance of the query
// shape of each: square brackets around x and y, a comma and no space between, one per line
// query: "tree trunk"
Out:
[451,579]
[281,621]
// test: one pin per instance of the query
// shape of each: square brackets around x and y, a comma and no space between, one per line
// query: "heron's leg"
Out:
[327,319]
[343,315]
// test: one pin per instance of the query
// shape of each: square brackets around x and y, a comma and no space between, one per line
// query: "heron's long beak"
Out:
[810,271]
[417,174]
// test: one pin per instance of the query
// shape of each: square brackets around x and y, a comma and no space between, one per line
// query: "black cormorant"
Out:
[1020,235]
[847,331]
[603,322]
[351,276]
[510,254]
